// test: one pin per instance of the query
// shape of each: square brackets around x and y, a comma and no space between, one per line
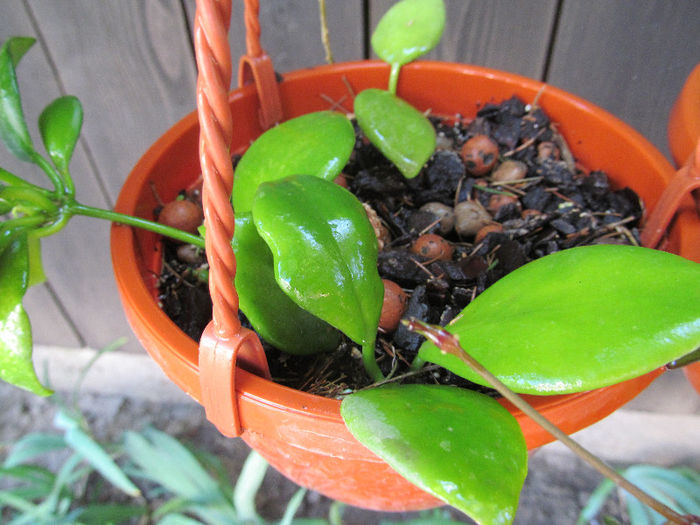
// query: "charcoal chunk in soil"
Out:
[400,266]
[378,181]
[418,308]
[441,177]
[537,198]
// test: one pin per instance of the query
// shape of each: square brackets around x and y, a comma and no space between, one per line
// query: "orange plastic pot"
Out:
[683,138]
[303,435]
[684,120]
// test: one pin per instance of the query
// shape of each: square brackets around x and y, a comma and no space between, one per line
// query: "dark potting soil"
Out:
[554,204]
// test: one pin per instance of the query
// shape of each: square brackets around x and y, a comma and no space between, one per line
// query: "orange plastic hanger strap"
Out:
[218,359]
[686,181]
[260,71]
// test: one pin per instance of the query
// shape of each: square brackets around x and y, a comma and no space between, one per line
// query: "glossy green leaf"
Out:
[402,133]
[458,445]
[580,319]
[60,124]
[15,330]
[272,313]
[13,127]
[315,144]
[324,251]
[408,30]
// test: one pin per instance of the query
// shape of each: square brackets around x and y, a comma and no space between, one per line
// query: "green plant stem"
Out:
[13,180]
[32,195]
[448,343]
[51,173]
[370,362]
[417,363]
[28,222]
[394,78]
[128,220]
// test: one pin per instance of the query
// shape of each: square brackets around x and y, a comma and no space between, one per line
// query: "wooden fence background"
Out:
[131,63]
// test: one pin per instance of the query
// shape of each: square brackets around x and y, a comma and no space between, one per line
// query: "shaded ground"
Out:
[660,427]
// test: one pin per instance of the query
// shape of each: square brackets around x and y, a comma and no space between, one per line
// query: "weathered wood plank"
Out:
[48,321]
[628,56]
[501,34]
[291,34]
[131,65]
[131,80]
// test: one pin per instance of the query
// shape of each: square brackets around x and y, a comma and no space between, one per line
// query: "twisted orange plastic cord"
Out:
[213,56]
[252,28]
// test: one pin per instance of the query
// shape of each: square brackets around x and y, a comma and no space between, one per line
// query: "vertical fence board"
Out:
[512,35]
[629,56]
[122,60]
[131,64]
[48,323]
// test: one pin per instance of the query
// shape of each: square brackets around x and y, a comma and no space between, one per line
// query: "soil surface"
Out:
[501,189]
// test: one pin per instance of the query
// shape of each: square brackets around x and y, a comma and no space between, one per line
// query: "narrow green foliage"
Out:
[92,452]
[677,487]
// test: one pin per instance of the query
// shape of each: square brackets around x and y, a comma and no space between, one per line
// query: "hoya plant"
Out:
[307,273]
[30,212]
[569,322]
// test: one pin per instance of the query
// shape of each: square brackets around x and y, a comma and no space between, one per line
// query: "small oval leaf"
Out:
[16,365]
[580,319]
[317,144]
[273,315]
[458,445]
[324,250]
[60,124]
[402,133]
[408,30]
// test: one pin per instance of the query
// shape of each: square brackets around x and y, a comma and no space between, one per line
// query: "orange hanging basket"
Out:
[684,140]
[303,435]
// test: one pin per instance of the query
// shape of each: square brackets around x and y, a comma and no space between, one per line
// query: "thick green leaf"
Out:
[324,251]
[60,124]
[13,127]
[15,330]
[277,318]
[409,30]
[460,446]
[402,133]
[580,319]
[315,144]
